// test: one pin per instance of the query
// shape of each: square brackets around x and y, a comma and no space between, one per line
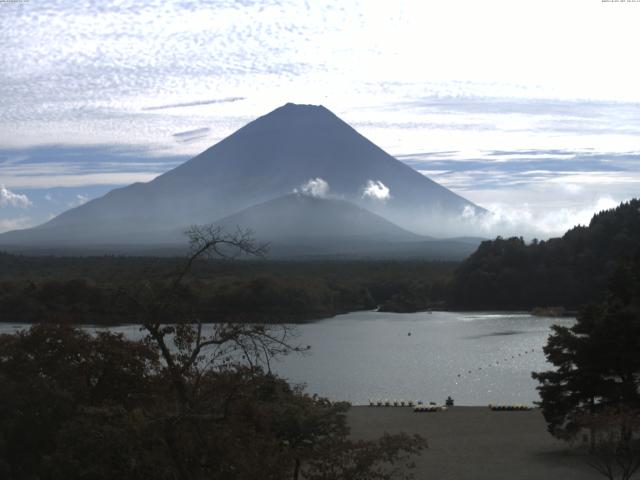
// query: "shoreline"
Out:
[569,314]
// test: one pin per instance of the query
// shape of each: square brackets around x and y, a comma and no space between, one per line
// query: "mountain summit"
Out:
[295,148]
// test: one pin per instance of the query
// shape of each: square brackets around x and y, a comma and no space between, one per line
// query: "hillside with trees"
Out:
[508,273]
[181,403]
[592,389]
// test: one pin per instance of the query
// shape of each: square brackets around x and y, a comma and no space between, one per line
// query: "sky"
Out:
[530,109]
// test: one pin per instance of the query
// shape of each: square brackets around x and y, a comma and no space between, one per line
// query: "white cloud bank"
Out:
[510,220]
[10,199]
[314,187]
[377,190]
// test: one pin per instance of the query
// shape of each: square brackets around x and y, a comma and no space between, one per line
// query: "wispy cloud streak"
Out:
[197,103]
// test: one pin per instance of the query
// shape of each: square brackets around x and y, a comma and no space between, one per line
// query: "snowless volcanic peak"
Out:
[295,148]
[302,216]
[294,144]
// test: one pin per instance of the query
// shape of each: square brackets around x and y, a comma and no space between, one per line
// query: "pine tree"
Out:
[597,360]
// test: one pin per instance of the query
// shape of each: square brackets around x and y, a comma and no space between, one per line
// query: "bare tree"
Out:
[188,347]
[225,402]
[615,443]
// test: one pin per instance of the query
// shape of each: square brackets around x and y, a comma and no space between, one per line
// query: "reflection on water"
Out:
[477,358]
[494,334]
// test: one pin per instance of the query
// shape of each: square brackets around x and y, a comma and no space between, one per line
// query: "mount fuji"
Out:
[295,148]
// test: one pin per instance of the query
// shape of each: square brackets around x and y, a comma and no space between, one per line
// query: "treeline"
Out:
[99,289]
[569,271]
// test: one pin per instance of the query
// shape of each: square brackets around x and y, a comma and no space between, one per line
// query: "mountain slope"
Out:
[310,219]
[268,158]
[301,226]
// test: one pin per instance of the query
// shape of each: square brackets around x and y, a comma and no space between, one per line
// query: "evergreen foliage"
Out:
[597,365]
[508,273]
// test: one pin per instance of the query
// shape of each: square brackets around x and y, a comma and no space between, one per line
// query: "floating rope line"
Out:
[496,363]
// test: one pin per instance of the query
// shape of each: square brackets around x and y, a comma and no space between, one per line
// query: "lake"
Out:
[477,358]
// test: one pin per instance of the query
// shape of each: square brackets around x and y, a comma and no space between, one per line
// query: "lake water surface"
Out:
[477,358]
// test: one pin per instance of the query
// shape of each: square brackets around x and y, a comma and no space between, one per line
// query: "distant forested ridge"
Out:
[94,289]
[570,271]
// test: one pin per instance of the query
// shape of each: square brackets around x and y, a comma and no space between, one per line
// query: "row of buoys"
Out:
[510,408]
[392,403]
[429,408]
[497,362]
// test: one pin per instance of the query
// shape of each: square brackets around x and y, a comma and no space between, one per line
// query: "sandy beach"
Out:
[476,443]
